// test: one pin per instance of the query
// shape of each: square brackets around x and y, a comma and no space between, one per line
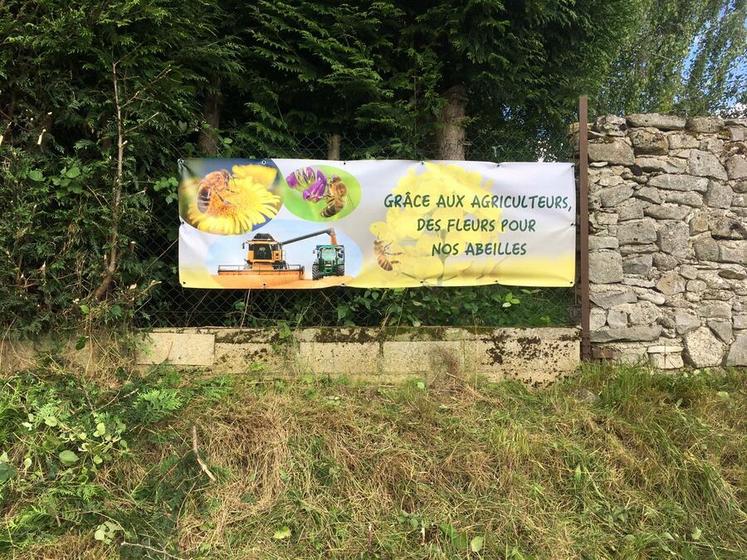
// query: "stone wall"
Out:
[668,222]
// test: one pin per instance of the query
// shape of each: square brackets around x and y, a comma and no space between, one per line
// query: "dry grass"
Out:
[616,463]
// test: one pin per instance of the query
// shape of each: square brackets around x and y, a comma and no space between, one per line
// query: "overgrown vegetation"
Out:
[99,100]
[616,463]
[465,307]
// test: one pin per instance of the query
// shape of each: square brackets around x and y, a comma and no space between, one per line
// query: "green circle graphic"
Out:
[309,210]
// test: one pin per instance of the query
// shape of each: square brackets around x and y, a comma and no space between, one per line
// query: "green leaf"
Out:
[100,534]
[73,172]
[81,342]
[36,175]
[282,533]
[7,471]
[696,534]
[342,311]
[475,545]
[100,429]
[68,457]
[85,309]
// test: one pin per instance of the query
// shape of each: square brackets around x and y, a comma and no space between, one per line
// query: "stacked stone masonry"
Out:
[668,239]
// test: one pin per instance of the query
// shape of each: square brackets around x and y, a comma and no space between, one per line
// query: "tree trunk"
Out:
[116,203]
[208,139]
[451,129]
[333,146]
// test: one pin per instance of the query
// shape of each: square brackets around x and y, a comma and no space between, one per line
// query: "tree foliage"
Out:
[60,63]
[687,56]
[99,100]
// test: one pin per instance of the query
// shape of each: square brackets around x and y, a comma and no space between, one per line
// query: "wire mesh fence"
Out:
[170,305]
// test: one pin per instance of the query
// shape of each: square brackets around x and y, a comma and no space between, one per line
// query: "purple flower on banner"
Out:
[301,177]
[315,190]
[313,181]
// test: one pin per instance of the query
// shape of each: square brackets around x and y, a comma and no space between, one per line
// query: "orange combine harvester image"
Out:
[266,264]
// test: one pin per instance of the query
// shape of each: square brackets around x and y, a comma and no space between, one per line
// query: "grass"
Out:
[614,463]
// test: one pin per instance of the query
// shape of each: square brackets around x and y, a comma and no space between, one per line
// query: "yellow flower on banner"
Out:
[403,223]
[261,174]
[231,204]
[415,253]
[474,269]
[384,232]
[422,268]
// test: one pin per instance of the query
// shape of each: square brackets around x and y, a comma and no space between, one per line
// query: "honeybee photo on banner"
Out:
[286,223]
[321,193]
[216,197]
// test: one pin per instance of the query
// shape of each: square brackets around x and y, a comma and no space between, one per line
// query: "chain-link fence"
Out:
[170,305]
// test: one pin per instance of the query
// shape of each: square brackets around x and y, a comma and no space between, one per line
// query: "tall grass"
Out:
[614,463]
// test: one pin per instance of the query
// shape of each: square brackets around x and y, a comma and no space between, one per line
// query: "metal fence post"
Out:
[583,219]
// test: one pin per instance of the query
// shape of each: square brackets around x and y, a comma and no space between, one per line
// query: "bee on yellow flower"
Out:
[231,203]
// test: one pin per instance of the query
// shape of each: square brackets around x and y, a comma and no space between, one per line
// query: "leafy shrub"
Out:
[60,440]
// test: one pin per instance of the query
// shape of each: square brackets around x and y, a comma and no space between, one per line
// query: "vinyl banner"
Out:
[296,223]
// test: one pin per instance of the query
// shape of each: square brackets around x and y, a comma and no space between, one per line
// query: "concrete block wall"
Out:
[533,355]
[668,221]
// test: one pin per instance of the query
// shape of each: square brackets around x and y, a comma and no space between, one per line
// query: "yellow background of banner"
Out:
[395,247]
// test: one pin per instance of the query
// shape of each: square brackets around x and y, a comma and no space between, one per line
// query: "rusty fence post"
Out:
[583,222]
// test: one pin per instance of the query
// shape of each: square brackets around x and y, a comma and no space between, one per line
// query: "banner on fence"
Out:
[294,223]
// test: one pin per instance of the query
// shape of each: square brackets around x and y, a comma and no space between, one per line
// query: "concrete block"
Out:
[665,349]
[247,357]
[343,358]
[310,334]
[666,356]
[410,357]
[182,349]
[337,334]
[243,336]
[405,334]
[536,355]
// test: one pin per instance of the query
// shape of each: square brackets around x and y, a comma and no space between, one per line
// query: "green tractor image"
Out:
[330,261]
[266,255]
